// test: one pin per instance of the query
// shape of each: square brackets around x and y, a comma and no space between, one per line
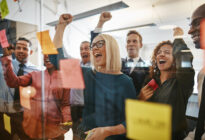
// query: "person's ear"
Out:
[141,45]
[31,51]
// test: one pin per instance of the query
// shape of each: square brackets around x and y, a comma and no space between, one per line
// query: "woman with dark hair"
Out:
[173,72]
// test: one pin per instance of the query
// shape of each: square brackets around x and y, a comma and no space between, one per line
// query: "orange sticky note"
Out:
[7,123]
[3,39]
[25,94]
[46,44]
[71,74]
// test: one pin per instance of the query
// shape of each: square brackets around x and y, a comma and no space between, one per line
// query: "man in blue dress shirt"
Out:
[9,98]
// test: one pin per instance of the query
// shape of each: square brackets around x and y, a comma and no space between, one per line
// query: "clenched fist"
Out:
[65,18]
[105,16]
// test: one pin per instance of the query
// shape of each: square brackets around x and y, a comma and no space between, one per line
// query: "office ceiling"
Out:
[140,12]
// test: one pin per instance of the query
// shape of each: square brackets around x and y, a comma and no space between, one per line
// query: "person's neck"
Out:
[22,62]
[85,62]
[51,70]
[103,70]
[133,57]
[164,75]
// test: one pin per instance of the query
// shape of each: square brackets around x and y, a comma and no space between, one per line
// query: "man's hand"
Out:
[9,50]
[65,19]
[178,32]
[146,92]
[104,17]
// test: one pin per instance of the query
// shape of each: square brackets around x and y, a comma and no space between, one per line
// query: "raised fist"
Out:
[65,18]
[178,31]
[9,50]
[105,16]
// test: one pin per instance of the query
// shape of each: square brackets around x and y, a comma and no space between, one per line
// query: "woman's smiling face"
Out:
[165,58]
[99,52]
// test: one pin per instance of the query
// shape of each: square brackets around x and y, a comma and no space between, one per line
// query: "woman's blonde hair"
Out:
[113,60]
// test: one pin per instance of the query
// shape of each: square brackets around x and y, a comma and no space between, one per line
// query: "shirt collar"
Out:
[136,59]
[26,64]
[86,64]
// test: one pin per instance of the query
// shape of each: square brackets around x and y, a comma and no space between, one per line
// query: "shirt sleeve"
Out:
[65,105]
[93,35]
[12,80]
[130,94]
[184,68]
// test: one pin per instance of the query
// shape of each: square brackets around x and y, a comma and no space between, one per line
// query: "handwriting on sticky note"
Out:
[4,9]
[7,123]
[71,73]
[147,120]
[46,43]
[3,39]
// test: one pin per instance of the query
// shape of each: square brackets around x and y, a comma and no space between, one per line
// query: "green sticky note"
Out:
[7,124]
[4,9]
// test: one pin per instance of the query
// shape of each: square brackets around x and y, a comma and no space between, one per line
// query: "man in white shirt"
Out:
[197,16]
[76,95]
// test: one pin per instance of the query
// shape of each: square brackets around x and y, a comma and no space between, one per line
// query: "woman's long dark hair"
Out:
[154,70]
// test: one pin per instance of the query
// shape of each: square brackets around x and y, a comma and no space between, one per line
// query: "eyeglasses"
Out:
[165,52]
[98,44]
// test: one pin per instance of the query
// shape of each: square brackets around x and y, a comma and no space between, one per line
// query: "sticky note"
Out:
[148,121]
[3,39]
[7,123]
[71,74]
[4,9]
[46,44]
[202,34]
[25,94]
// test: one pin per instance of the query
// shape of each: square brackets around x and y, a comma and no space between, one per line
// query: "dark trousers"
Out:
[16,125]
[76,114]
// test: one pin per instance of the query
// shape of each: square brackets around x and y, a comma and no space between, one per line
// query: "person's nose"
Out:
[191,30]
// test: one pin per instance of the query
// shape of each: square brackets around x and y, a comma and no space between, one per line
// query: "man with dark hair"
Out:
[133,65]
[197,16]
[9,97]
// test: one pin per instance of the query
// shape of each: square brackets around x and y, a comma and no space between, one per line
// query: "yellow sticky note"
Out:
[148,121]
[7,124]
[4,9]
[46,44]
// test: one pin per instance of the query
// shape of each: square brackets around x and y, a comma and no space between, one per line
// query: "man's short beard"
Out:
[197,45]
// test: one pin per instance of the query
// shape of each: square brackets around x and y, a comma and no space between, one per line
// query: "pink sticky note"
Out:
[153,84]
[71,74]
[3,39]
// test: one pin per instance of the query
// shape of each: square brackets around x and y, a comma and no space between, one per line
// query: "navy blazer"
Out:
[141,70]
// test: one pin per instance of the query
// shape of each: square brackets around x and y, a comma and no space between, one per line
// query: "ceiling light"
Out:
[111,7]
[167,27]
[132,27]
